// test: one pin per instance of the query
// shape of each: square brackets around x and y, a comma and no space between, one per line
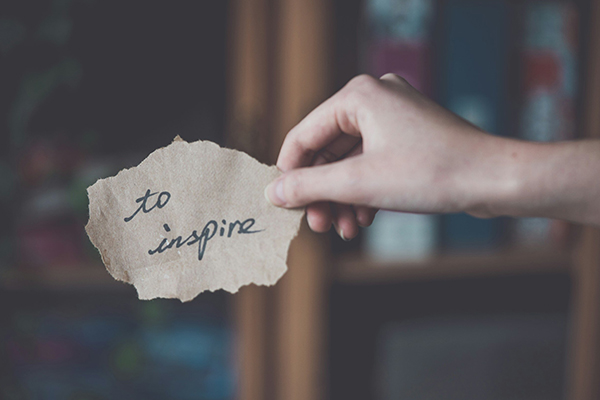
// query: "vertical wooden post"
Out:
[584,371]
[584,368]
[278,71]
[249,83]
[251,347]
[301,84]
[248,99]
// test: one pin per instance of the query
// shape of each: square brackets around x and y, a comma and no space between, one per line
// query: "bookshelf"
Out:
[356,270]
[78,278]
[584,348]
[279,68]
[293,316]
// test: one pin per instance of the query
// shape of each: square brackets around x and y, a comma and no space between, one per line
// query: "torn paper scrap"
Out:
[191,217]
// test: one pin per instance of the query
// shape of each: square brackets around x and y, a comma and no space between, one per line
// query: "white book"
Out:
[397,236]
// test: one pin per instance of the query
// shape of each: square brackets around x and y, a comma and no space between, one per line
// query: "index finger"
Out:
[332,118]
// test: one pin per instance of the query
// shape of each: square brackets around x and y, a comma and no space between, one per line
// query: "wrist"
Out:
[498,182]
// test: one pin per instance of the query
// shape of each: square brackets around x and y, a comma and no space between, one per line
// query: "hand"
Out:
[379,143]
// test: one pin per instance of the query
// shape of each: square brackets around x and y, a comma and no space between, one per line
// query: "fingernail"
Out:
[274,193]
[362,223]
[342,236]
[361,218]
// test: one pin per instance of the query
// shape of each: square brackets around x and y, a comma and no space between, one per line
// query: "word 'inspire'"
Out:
[207,233]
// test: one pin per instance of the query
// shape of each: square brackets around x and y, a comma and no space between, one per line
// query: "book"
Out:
[399,41]
[549,64]
[401,236]
[474,81]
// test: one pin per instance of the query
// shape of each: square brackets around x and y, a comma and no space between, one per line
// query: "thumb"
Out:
[339,182]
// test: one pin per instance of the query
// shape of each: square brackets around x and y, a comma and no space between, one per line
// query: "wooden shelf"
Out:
[89,277]
[354,269]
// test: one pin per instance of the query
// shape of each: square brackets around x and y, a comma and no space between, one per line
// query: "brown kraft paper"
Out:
[191,217]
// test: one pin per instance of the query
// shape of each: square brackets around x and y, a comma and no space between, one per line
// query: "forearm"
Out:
[555,180]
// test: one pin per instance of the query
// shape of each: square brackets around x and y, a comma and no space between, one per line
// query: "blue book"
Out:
[549,64]
[473,84]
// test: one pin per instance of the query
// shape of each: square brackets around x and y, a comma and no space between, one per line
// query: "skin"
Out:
[380,144]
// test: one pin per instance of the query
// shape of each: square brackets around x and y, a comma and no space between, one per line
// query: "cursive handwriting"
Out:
[207,233]
[161,201]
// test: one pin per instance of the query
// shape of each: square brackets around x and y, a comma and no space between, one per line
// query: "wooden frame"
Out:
[279,330]
[584,365]
[248,99]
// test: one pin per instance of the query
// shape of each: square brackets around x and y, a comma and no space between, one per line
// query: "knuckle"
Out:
[362,80]
[394,78]
[389,76]
[353,97]
[360,89]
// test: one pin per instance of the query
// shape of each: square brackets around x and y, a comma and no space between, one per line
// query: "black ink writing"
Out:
[207,233]
[161,201]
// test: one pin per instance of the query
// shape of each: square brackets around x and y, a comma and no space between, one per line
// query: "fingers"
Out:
[329,133]
[344,221]
[312,134]
[335,117]
[340,182]
[341,147]
[364,215]
[319,217]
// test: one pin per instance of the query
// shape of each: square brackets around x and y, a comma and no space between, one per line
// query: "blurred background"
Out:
[417,307]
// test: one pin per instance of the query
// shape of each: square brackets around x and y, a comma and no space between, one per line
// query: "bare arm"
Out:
[556,180]
[379,143]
